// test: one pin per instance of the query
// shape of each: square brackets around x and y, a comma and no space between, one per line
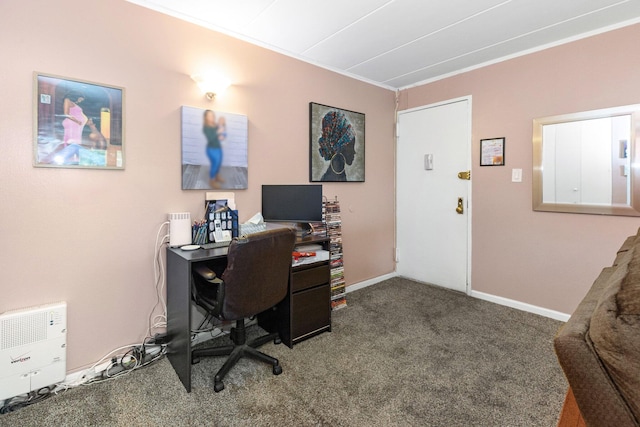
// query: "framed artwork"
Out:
[214,150]
[492,152]
[336,144]
[77,124]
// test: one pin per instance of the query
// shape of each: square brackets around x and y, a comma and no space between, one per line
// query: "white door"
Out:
[433,239]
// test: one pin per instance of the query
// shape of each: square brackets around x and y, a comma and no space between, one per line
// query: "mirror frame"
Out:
[633,209]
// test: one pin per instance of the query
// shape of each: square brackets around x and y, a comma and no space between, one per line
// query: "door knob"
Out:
[465,175]
[460,208]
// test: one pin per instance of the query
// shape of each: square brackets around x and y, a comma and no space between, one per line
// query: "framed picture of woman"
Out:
[77,124]
[214,150]
[336,140]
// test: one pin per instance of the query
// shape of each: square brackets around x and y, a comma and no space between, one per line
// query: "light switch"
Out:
[428,162]
[516,175]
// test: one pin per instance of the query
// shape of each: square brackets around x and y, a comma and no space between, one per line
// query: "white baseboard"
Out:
[541,311]
[369,282]
[563,317]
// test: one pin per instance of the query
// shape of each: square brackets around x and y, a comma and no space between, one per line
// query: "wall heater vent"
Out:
[33,349]
[26,329]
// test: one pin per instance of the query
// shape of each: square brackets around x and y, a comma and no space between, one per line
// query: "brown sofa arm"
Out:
[599,401]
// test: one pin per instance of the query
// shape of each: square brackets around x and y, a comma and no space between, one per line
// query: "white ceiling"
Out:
[401,43]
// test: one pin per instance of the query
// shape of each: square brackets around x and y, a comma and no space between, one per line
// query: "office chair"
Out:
[255,279]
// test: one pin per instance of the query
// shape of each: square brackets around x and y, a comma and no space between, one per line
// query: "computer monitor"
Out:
[292,203]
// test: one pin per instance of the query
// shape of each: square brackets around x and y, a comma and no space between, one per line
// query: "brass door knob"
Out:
[460,208]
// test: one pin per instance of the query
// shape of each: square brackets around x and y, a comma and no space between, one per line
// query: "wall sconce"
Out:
[211,84]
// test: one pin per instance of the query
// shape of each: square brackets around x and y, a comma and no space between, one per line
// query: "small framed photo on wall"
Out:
[492,152]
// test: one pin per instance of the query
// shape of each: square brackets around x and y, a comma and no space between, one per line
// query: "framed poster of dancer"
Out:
[336,140]
[77,124]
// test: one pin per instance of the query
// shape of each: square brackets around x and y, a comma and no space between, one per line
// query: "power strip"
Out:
[81,377]
[204,336]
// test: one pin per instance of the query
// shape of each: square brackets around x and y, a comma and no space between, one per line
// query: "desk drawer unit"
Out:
[310,301]
[311,312]
[309,277]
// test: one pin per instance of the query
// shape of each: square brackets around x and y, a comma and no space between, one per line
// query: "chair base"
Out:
[237,351]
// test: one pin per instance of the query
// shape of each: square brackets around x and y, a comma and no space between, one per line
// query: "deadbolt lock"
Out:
[465,175]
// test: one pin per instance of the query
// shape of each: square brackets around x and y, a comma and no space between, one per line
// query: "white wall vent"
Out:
[33,348]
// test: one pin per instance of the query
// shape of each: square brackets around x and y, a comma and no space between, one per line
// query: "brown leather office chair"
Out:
[255,279]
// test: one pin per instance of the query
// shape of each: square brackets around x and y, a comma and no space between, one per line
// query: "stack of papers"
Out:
[321,255]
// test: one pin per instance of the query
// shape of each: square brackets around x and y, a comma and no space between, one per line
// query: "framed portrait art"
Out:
[77,124]
[214,150]
[336,141]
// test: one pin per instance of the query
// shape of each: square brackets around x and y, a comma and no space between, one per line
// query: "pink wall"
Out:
[87,236]
[545,259]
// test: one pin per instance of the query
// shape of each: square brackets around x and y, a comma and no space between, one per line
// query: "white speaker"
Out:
[179,229]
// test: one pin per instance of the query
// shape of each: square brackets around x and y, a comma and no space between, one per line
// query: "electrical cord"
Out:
[17,402]
[107,375]
[135,355]
[91,370]
[207,319]
[159,320]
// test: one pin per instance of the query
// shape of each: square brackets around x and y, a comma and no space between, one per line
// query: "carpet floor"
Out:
[401,354]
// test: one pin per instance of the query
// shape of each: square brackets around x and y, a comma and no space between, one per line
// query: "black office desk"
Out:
[305,311]
[179,265]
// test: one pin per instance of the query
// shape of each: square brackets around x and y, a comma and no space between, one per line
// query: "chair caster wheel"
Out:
[277,340]
[218,387]
[277,370]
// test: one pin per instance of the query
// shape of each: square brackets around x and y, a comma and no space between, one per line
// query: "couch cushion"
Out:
[624,253]
[628,299]
[615,331]
[628,243]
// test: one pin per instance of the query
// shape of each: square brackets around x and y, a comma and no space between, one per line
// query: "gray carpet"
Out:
[401,354]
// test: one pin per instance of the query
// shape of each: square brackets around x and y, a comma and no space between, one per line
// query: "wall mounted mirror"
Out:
[587,162]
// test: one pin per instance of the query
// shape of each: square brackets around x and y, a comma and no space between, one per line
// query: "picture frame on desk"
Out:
[77,124]
[336,144]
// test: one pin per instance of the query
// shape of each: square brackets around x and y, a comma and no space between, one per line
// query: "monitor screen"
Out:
[292,203]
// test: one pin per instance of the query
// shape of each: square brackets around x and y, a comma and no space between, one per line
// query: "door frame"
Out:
[469,207]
